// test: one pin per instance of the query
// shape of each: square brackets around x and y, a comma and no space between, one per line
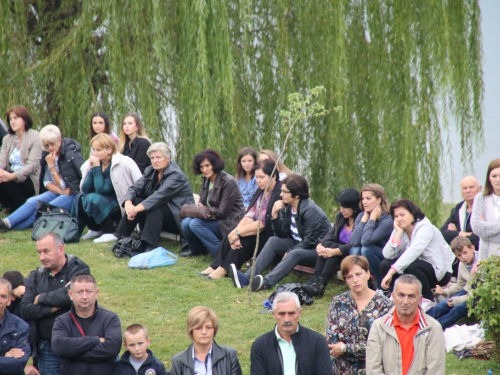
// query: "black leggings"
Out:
[422,270]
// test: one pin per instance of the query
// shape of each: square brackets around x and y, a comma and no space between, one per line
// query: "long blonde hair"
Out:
[141,131]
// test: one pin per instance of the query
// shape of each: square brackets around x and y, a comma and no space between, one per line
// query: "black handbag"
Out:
[296,288]
[127,247]
[44,207]
[57,222]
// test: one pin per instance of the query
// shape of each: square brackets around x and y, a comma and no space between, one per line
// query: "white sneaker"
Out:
[106,237]
[91,234]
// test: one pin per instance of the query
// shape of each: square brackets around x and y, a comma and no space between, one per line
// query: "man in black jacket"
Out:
[88,337]
[289,348]
[458,224]
[46,297]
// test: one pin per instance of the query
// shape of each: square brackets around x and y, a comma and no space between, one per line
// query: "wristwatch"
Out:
[238,233]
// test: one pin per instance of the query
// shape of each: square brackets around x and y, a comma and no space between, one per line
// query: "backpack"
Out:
[294,288]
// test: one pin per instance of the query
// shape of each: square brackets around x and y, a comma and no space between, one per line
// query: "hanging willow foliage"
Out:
[217,73]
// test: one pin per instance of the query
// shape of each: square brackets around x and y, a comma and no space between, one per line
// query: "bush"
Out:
[485,300]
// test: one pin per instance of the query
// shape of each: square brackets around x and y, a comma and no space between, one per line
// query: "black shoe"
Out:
[188,253]
[259,283]
[313,280]
[316,289]
[3,227]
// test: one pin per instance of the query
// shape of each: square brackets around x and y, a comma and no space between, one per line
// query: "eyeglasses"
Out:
[285,192]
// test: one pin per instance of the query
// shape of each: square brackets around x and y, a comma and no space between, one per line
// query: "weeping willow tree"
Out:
[217,73]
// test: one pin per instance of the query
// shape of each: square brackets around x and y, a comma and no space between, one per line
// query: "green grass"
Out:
[160,299]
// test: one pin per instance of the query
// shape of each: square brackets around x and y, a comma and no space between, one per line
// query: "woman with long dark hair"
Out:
[335,245]
[245,173]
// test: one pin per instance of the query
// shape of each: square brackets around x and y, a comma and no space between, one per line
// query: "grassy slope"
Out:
[160,299]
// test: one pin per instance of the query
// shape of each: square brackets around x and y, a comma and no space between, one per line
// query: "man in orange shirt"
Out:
[406,340]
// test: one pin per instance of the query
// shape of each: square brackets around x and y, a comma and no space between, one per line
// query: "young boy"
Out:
[138,359]
[451,310]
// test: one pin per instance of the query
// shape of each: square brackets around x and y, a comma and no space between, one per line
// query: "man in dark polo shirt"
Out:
[406,340]
[46,297]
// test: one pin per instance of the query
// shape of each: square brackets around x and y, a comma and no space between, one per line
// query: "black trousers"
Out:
[226,255]
[327,267]
[14,194]
[422,270]
[151,223]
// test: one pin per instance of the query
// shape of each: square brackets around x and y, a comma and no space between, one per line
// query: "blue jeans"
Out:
[446,315]
[201,234]
[374,256]
[48,362]
[24,216]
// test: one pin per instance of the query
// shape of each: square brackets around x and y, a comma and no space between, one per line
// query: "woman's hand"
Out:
[320,250]
[397,228]
[236,244]
[66,191]
[6,176]
[375,214]
[336,349]
[232,236]
[278,205]
[365,217]
[94,161]
[51,160]
[386,281]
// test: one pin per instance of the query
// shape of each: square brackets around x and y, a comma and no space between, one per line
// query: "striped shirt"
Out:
[293,228]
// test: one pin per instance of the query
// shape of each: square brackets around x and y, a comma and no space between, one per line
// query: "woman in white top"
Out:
[485,219]
[416,247]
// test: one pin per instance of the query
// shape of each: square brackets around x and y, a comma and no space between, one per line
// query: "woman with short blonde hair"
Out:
[202,327]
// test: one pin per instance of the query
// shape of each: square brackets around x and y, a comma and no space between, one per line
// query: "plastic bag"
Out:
[158,257]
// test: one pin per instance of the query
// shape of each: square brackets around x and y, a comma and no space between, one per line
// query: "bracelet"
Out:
[238,233]
[53,167]
[53,174]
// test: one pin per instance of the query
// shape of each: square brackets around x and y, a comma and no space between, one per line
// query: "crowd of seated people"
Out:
[129,182]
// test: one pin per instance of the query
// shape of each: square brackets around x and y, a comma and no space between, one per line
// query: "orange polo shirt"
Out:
[405,337]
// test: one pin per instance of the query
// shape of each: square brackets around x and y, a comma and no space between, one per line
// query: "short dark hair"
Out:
[212,156]
[267,166]
[83,278]
[297,185]
[409,206]
[107,127]
[22,112]
[15,278]
[240,172]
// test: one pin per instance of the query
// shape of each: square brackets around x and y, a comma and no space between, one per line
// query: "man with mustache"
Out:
[406,340]
[290,348]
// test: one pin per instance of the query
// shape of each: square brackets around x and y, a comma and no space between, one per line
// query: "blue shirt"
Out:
[247,188]
[203,368]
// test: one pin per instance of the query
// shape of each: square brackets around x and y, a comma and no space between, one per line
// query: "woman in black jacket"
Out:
[221,206]
[202,327]
[238,246]
[59,178]
[335,245]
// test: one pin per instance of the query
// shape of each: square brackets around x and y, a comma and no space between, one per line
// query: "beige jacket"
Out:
[463,282]
[31,152]
[124,173]
[383,352]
